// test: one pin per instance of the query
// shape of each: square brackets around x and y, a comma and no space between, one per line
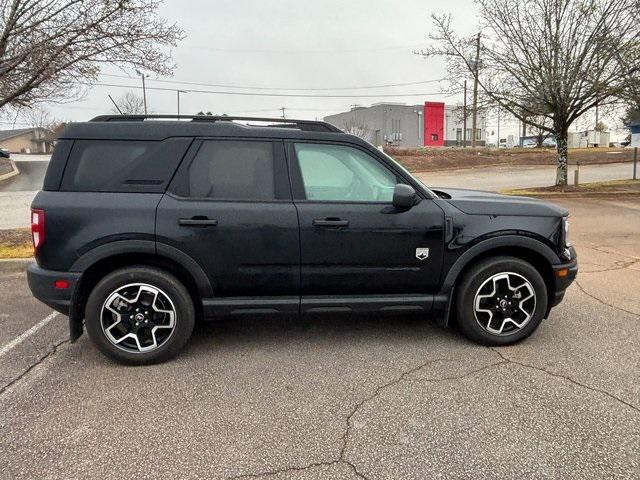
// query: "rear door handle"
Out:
[197,222]
[330,222]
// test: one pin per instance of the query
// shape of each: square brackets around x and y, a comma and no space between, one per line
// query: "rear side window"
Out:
[232,170]
[122,165]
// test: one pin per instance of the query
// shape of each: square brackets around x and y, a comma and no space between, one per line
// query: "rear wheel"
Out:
[500,301]
[139,315]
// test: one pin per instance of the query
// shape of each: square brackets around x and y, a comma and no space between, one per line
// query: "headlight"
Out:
[565,232]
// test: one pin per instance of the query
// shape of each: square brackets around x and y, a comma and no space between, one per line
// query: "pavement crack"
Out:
[40,360]
[618,266]
[603,302]
[567,378]
[284,470]
[603,249]
[376,392]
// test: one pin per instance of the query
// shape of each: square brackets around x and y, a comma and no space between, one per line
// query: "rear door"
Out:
[229,207]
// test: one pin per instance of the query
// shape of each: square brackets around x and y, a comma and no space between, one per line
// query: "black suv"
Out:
[145,224]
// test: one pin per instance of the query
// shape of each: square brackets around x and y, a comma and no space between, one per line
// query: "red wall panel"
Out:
[434,124]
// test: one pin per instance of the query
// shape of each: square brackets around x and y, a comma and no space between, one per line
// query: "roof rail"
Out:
[307,125]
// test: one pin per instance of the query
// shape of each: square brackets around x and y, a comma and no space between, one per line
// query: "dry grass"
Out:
[16,243]
[631,187]
[425,159]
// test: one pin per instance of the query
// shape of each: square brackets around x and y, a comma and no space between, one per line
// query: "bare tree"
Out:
[40,118]
[129,104]
[52,50]
[540,127]
[459,72]
[630,95]
[358,128]
[551,59]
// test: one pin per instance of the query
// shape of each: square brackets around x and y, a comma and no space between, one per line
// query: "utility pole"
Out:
[596,116]
[283,109]
[498,141]
[144,90]
[464,117]
[474,118]
[178,92]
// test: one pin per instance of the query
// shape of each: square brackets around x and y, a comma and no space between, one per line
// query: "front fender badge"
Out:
[422,253]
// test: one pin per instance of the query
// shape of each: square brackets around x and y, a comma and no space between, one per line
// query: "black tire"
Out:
[170,287]
[481,275]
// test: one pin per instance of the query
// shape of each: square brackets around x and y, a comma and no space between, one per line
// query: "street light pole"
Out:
[464,120]
[178,92]
[144,91]
[498,140]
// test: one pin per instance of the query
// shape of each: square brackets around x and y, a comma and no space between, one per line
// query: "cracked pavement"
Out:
[344,398]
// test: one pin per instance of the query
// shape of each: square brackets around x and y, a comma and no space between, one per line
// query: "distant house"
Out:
[27,140]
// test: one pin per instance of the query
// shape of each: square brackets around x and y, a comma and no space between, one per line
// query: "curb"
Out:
[573,194]
[14,171]
[14,265]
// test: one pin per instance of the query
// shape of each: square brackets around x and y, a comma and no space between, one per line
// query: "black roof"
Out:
[159,127]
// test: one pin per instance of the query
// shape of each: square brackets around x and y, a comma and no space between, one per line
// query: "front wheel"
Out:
[139,315]
[500,301]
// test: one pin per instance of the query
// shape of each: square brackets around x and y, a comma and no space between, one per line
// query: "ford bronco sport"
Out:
[145,224]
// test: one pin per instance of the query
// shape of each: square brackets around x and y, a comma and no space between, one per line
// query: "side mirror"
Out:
[404,196]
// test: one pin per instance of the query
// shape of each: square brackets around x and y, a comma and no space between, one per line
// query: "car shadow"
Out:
[343,328]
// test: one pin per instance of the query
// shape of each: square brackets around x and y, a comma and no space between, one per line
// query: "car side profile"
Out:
[146,224]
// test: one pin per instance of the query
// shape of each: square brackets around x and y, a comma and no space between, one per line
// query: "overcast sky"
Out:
[293,44]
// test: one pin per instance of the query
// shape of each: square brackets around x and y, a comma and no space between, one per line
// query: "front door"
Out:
[353,241]
[229,208]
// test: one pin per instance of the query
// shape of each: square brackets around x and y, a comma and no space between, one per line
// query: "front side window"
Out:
[342,173]
[232,170]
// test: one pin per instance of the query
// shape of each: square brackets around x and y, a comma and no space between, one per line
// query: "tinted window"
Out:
[341,173]
[232,170]
[122,166]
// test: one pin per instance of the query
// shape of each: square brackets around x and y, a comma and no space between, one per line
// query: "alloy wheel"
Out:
[504,303]
[138,317]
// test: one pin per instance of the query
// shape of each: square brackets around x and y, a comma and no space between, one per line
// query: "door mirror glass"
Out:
[404,196]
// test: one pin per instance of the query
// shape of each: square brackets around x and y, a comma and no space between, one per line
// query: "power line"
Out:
[256,94]
[253,87]
[302,52]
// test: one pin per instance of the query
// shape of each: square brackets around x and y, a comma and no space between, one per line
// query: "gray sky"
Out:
[291,44]
[294,44]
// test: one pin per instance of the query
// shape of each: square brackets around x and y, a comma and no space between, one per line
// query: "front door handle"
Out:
[197,222]
[330,222]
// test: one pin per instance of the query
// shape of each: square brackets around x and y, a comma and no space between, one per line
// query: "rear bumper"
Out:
[42,285]
[564,274]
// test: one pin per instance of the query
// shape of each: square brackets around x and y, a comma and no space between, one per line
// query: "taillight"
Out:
[37,228]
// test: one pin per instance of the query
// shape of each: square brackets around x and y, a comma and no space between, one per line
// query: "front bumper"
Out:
[43,286]
[564,274]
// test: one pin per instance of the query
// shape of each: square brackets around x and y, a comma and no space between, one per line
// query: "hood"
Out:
[477,202]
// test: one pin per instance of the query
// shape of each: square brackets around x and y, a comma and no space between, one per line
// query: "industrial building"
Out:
[433,124]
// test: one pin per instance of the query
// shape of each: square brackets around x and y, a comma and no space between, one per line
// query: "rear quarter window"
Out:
[122,165]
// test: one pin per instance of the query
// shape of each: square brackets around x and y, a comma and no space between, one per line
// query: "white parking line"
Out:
[18,340]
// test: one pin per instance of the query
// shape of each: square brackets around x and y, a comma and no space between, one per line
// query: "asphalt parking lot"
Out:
[342,397]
